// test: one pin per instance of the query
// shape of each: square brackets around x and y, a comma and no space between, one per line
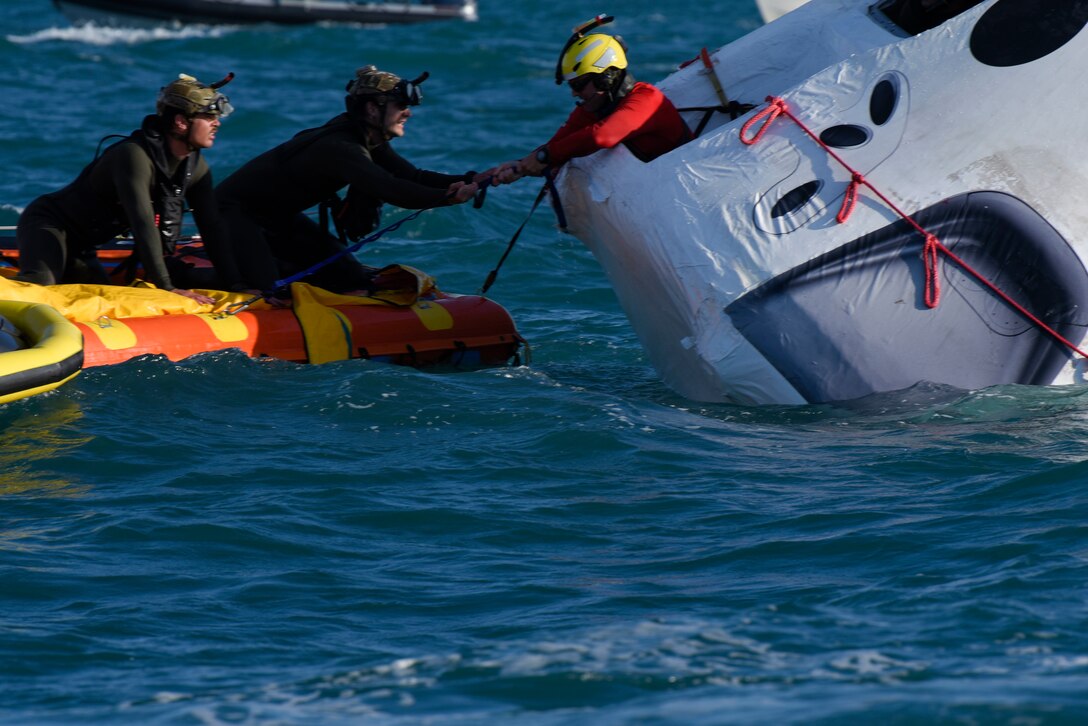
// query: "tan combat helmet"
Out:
[190,96]
[371,84]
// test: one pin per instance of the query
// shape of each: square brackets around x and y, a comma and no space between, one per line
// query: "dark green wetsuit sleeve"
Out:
[392,179]
[401,168]
[201,199]
[132,173]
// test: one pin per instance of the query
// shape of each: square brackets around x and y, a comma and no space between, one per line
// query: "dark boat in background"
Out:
[244,12]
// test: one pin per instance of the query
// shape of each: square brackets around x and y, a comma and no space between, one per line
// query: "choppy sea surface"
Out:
[230,541]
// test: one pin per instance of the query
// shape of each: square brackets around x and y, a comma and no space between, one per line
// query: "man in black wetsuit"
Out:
[140,184]
[263,203]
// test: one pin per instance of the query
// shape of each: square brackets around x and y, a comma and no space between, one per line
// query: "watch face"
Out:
[542,156]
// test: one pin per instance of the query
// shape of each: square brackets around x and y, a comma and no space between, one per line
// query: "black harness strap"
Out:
[510,245]
[733,109]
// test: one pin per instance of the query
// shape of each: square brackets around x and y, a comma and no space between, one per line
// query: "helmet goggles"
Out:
[220,106]
[408,93]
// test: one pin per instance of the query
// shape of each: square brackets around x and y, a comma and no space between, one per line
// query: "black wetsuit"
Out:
[263,203]
[136,185]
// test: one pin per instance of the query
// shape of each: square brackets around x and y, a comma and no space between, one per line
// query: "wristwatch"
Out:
[542,155]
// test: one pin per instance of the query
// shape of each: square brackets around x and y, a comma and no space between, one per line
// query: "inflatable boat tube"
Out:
[53,354]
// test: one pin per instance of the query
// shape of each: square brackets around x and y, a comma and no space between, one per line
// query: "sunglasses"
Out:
[579,83]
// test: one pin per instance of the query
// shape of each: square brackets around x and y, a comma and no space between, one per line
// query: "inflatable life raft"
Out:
[39,349]
[435,329]
[905,203]
[411,323]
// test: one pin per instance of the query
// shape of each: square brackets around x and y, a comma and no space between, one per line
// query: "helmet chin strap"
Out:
[379,126]
[382,126]
[618,86]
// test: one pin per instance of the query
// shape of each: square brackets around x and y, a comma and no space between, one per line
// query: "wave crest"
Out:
[104,35]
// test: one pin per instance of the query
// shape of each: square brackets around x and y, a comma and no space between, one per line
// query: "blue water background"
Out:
[225,540]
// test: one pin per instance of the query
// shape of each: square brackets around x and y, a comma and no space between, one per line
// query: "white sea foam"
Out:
[103,35]
[874,663]
[1065,663]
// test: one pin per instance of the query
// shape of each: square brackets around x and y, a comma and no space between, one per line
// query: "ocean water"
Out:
[230,541]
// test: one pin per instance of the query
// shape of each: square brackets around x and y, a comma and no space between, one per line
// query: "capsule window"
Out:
[1014,33]
[794,199]
[844,136]
[914,16]
[882,101]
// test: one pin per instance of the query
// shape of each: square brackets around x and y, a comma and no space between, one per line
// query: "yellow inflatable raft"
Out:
[41,349]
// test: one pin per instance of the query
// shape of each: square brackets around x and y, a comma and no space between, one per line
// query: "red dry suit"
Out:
[644,120]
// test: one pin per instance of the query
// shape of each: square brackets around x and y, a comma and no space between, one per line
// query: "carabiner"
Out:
[235,308]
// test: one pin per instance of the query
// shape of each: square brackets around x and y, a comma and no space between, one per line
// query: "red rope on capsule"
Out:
[932,291]
[850,199]
[768,115]
[932,247]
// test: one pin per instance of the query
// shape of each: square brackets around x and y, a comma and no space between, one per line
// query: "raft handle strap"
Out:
[557,203]
[734,109]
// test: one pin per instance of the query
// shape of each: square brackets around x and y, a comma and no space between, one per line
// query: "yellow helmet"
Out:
[189,95]
[594,53]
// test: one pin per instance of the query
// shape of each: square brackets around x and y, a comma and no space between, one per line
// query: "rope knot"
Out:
[850,198]
[775,108]
[932,292]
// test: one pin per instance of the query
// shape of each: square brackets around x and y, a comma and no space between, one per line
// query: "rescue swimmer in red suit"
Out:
[613,108]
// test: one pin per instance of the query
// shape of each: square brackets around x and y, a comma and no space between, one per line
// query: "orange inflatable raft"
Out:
[439,329]
[413,323]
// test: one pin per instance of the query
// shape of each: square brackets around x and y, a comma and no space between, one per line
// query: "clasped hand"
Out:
[460,192]
[509,172]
